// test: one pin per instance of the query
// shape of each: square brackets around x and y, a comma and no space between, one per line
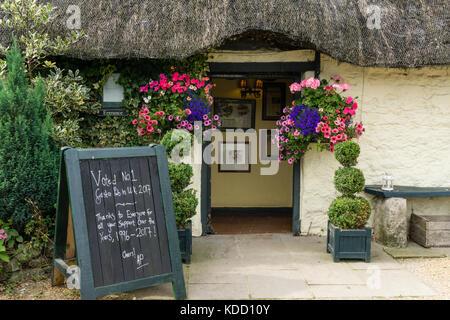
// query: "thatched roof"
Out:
[412,33]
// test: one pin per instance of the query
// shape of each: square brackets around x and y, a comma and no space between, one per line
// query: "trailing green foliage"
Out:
[109,131]
[347,153]
[349,212]
[349,180]
[28,156]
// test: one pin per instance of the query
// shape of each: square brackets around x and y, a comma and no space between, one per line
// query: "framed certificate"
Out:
[235,113]
[274,100]
[234,157]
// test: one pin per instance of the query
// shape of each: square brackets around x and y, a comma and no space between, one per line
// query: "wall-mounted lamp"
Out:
[113,95]
[245,89]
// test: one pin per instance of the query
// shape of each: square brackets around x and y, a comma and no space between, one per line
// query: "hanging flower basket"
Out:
[322,115]
[176,101]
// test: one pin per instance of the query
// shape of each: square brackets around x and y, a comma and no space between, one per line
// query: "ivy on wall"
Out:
[107,131]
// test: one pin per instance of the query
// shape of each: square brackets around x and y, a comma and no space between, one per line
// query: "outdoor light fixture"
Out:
[113,95]
[387,182]
[245,89]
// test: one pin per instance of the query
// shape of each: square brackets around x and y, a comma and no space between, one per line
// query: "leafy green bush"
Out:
[180,176]
[69,101]
[349,212]
[15,240]
[28,156]
[347,153]
[181,139]
[185,204]
[184,200]
[349,180]
[28,20]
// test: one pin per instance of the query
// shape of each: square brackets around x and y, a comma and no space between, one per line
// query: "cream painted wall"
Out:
[251,189]
[406,113]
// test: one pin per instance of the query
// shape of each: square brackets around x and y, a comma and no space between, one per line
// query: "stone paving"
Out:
[280,266]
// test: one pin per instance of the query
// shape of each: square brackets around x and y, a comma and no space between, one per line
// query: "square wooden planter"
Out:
[349,244]
[430,231]
[185,238]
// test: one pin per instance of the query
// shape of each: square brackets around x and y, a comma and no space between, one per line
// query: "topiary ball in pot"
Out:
[349,212]
[185,204]
[347,153]
[349,181]
[180,176]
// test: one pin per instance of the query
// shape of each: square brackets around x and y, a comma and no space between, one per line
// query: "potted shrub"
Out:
[185,203]
[347,235]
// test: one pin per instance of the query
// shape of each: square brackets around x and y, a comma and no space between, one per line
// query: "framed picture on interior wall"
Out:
[235,113]
[274,100]
[234,157]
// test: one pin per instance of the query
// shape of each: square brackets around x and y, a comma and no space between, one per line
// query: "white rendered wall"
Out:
[406,113]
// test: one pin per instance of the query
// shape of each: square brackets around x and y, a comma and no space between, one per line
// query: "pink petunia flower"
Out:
[295,87]
[345,87]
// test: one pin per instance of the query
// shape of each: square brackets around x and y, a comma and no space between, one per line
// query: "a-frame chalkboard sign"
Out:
[115,215]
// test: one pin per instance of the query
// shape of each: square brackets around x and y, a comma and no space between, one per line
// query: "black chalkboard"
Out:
[122,212]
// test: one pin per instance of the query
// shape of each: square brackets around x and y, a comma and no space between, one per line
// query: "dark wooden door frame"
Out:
[273,70]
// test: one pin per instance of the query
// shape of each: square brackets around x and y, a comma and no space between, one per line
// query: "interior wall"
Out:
[250,189]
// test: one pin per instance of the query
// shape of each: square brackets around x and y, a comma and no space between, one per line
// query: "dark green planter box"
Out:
[348,244]
[185,237]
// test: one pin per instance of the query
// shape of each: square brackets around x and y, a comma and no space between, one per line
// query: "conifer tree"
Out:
[28,156]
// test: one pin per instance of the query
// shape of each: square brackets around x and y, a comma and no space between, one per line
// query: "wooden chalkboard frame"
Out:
[71,200]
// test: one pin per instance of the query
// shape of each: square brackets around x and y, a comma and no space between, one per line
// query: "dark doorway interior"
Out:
[251,220]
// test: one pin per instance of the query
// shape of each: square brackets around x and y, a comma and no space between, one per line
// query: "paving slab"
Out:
[280,266]
[217,277]
[218,291]
[329,274]
[279,285]
[160,292]
[414,250]
[394,283]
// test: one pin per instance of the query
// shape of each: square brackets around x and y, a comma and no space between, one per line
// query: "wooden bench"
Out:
[390,217]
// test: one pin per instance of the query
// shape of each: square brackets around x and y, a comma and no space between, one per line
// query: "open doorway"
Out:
[241,199]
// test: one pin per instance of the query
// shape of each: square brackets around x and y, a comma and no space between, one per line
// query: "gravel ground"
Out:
[435,272]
